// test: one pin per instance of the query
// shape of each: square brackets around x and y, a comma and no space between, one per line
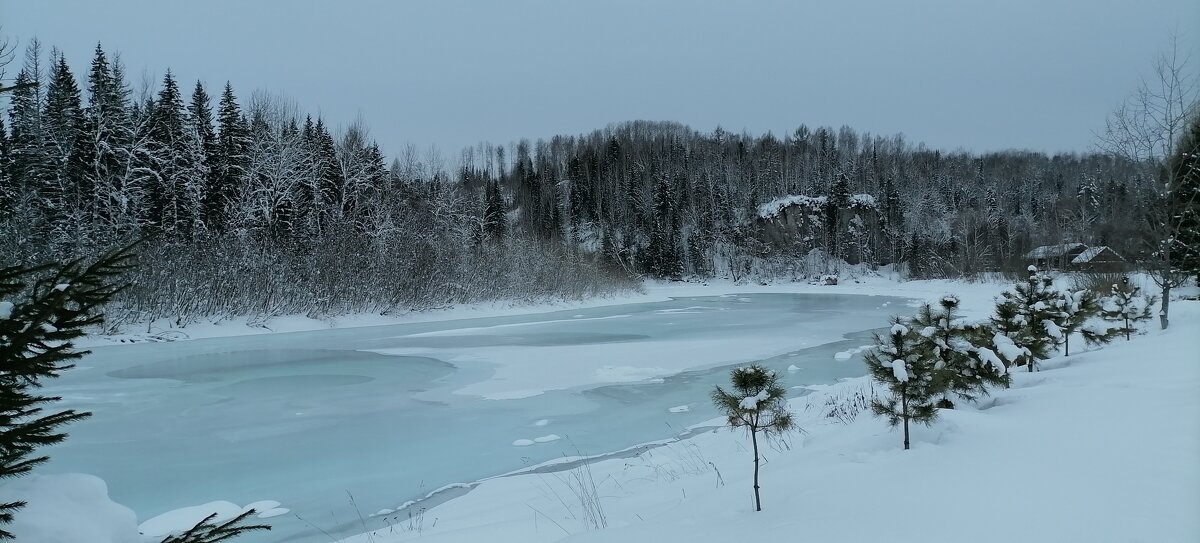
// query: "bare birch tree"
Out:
[1147,129]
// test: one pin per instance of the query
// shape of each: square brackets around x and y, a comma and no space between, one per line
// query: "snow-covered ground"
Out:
[1099,446]
[1095,448]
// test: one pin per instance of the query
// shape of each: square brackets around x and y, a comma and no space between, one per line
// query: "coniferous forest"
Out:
[250,206]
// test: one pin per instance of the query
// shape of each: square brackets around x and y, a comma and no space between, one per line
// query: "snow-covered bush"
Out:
[1079,312]
[1028,317]
[897,362]
[964,362]
[1127,306]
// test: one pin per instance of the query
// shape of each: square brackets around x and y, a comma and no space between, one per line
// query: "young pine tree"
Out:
[1127,305]
[1027,316]
[896,362]
[757,403]
[962,362]
[1078,309]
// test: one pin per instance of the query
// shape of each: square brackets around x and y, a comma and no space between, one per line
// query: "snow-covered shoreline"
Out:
[1098,446]
[653,291]
[675,488]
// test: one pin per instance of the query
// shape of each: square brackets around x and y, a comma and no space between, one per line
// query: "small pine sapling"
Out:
[1027,316]
[1078,309]
[1127,305]
[896,362]
[959,366]
[757,402]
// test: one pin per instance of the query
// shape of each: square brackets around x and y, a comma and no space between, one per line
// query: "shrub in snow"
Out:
[897,362]
[1127,305]
[1028,316]
[963,362]
[757,402]
[1078,312]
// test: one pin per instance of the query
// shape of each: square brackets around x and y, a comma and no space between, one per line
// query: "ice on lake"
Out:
[388,413]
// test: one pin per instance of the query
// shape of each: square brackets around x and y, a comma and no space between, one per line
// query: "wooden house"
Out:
[1055,257]
[1098,259]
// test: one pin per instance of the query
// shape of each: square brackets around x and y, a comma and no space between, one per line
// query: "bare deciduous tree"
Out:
[1146,129]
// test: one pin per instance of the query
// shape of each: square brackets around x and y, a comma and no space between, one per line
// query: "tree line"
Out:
[248,206]
[252,207]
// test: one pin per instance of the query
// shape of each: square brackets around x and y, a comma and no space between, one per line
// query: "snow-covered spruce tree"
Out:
[1028,317]
[897,363]
[1078,311]
[757,403]
[963,361]
[1127,305]
[35,344]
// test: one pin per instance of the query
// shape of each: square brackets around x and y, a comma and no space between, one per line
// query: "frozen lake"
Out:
[389,413]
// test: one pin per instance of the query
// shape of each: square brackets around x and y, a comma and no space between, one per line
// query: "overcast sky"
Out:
[979,75]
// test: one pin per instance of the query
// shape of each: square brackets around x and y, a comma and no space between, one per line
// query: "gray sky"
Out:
[979,75]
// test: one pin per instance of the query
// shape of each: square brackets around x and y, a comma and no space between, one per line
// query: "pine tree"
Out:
[1028,316]
[229,168]
[36,335]
[494,221]
[167,131]
[197,179]
[757,402]
[1077,310]
[29,161]
[963,362]
[64,193]
[7,192]
[897,362]
[663,256]
[1126,305]
[1185,201]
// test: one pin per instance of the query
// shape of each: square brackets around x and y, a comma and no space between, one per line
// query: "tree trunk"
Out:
[1166,304]
[904,407]
[1067,345]
[754,443]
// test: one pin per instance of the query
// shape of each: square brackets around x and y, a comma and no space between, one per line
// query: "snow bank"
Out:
[1110,449]
[53,499]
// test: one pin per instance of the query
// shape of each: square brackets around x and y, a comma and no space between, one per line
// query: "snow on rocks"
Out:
[83,499]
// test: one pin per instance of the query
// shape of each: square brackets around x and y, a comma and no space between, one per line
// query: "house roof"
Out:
[1052,251]
[1087,255]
